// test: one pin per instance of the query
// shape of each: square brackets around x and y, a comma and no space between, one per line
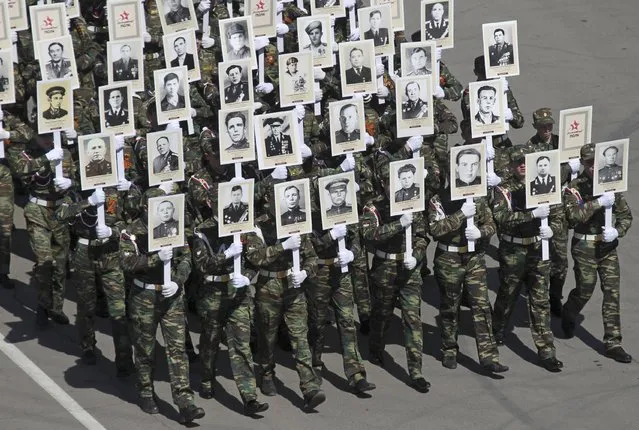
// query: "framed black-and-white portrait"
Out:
[57,60]
[125,19]
[97,161]
[296,79]
[406,182]
[47,22]
[437,22]
[55,105]
[543,179]
[173,101]
[235,207]
[338,200]
[237,143]
[166,222]
[414,106]
[611,167]
[177,15]
[467,171]
[116,109]
[348,126]
[237,39]
[18,15]
[7,78]
[277,138]
[357,62]
[236,78]
[314,36]
[575,128]
[293,208]
[375,23]
[397,12]
[264,14]
[501,49]
[331,7]
[418,59]
[180,49]
[72,7]
[165,156]
[487,108]
[126,62]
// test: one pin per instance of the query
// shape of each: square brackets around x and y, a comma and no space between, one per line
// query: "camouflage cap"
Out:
[543,116]
[587,152]
[518,153]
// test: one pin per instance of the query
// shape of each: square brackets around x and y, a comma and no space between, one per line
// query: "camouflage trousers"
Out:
[332,287]
[221,307]
[50,243]
[592,259]
[274,300]
[391,280]
[453,271]
[91,265]
[361,289]
[558,263]
[519,266]
[148,308]
[6,218]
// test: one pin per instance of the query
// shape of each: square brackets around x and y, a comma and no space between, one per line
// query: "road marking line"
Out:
[44,381]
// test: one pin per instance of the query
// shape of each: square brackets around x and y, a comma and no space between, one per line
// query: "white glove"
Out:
[575,164]
[119,143]
[147,37]
[193,113]
[356,185]
[406,220]
[438,54]
[1,115]
[62,183]
[207,42]
[319,95]
[97,198]
[281,29]
[345,257]
[493,180]
[240,281]
[123,185]
[415,143]
[103,231]
[280,172]
[169,290]
[300,112]
[354,35]
[4,134]
[610,234]
[55,154]
[439,92]
[173,125]
[293,242]
[338,232]
[545,232]
[233,250]
[379,69]
[382,92]
[349,4]
[204,5]
[368,139]
[265,88]
[490,150]
[469,209]
[410,262]
[71,133]
[506,85]
[280,7]
[298,277]
[167,187]
[367,98]
[318,74]
[472,233]
[257,106]
[14,37]
[306,151]
[261,42]
[541,211]
[348,164]
[508,114]
[165,254]
[606,199]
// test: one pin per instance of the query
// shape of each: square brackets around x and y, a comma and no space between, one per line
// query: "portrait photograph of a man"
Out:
[413,95]
[417,58]
[338,200]
[375,22]
[176,15]
[542,173]
[544,182]
[96,150]
[125,62]
[609,168]
[237,80]
[414,106]
[277,143]
[54,105]
[293,213]
[467,171]
[235,207]
[409,189]
[115,113]
[57,60]
[486,108]
[406,179]
[166,224]
[358,62]
[237,40]
[183,53]
[236,136]
[315,38]
[347,120]
[328,7]
[166,160]
[501,56]
[172,91]
[96,153]
[437,22]
[126,67]
[292,207]
[166,221]
[164,156]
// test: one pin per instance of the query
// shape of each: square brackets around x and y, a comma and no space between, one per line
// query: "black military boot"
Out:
[377,358]
[420,384]
[42,317]
[314,399]
[551,364]
[59,317]
[89,357]
[268,386]
[253,407]
[568,323]
[190,412]
[148,405]
[494,368]
[363,386]
[123,351]
[364,325]
[617,353]
[6,282]
[449,362]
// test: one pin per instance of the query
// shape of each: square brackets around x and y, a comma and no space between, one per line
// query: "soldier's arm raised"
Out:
[441,224]
[204,262]
[131,259]
[518,117]
[258,253]
[503,213]
[180,272]
[71,207]
[577,211]
[372,231]
[420,240]
[485,221]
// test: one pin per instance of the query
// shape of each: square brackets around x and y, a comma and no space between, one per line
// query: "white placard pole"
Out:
[167,272]
[341,245]
[352,20]
[317,105]
[505,102]
[280,39]
[1,141]
[490,166]
[206,28]
[101,220]
[142,17]
[237,260]
[57,144]
[229,7]
[470,222]
[608,217]
[333,39]
[296,260]
[409,228]
[260,65]
[545,250]
[380,79]
[120,164]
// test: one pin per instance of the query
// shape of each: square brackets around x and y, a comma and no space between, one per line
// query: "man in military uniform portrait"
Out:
[56,96]
[414,107]
[168,160]
[238,90]
[177,13]
[611,172]
[172,99]
[237,210]
[116,112]
[169,226]
[349,122]
[293,212]
[358,73]
[467,168]
[437,27]
[315,34]
[337,190]
[419,62]
[501,53]
[543,183]
[486,98]
[409,190]
[236,130]
[96,150]
[58,67]
[376,33]
[182,58]
[126,68]
[236,35]
[277,143]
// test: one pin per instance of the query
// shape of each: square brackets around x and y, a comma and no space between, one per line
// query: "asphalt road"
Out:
[573,53]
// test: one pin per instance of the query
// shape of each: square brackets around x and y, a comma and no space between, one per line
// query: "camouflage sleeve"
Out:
[373,232]
[19,132]
[449,83]
[623,215]
[419,238]
[504,216]
[22,164]
[202,110]
[484,218]
[70,208]
[565,173]
[445,120]
[557,218]
[203,261]
[331,85]
[308,257]
[577,211]
[465,104]
[181,264]
[352,239]
[258,253]
[441,224]
[322,240]
[518,117]
[131,260]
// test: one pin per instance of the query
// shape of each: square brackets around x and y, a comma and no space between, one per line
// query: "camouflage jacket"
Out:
[269,254]
[537,145]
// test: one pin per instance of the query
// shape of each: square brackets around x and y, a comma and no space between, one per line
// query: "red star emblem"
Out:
[124,16]
[574,126]
[260,5]
[48,21]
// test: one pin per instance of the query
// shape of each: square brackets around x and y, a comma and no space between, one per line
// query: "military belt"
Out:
[279,275]
[218,278]
[520,240]
[156,287]
[457,249]
[500,138]
[388,256]
[327,261]
[588,237]
[150,57]
[96,242]
[45,203]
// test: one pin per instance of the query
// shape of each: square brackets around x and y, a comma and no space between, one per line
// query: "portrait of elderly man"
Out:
[116,112]
[169,226]
[277,143]
[58,66]
[437,27]
[125,68]
[358,73]
[167,160]
[414,107]
[501,53]
[611,172]
[96,151]
[544,182]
